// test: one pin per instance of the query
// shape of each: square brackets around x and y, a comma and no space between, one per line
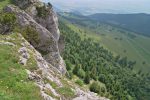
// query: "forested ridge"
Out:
[93,64]
[138,23]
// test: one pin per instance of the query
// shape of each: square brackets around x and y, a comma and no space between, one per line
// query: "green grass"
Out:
[53,84]
[79,82]
[136,49]
[3,3]
[66,92]
[14,83]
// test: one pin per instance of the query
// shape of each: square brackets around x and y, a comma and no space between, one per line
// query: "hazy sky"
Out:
[103,6]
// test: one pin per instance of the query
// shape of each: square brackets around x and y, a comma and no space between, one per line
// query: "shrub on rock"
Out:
[7,22]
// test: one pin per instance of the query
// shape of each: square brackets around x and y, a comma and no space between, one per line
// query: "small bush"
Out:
[68,65]
[76,69]
[95,87]
[69,75]
[31,35]
[87,78]
[79,82]
[102,78]
[81,73]
[41,11]
[7,22]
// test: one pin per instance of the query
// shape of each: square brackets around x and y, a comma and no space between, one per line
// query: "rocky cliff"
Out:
[40,56]
[44,20]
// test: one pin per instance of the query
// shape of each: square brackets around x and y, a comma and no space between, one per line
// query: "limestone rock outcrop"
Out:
[46,27]
[48,19]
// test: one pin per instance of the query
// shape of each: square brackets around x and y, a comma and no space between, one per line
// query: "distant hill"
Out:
[83,37]
[139,23]
[120,41]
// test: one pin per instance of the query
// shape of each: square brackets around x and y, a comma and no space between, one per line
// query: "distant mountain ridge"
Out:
[138,23]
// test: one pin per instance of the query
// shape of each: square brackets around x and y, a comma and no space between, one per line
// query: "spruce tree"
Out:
[87,78]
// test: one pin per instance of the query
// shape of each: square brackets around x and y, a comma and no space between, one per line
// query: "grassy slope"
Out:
[137,49]
[14,83]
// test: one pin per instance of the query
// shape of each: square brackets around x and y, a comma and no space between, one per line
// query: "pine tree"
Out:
[81,73]
[87,78]
[76,69]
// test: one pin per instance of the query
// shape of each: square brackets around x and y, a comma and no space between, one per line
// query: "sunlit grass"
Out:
[3,3]
[14,83]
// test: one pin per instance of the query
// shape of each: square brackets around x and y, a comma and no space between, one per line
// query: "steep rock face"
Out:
[42,14]
[47,42]
[49,21]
